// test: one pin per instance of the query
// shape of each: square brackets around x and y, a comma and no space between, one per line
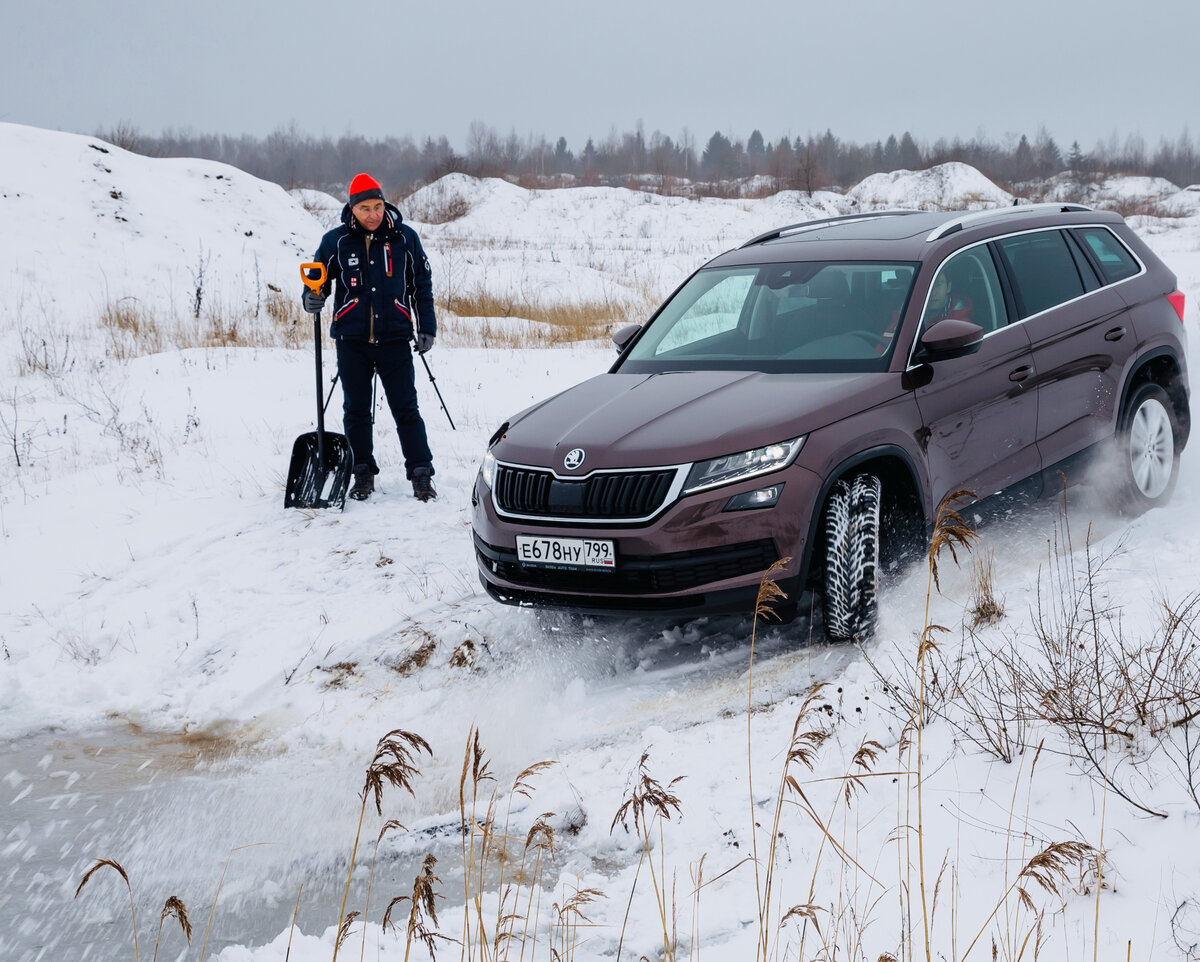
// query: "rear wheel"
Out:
[851,578]
[1148,455]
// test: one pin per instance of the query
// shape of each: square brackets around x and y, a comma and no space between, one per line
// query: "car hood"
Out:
[641,420]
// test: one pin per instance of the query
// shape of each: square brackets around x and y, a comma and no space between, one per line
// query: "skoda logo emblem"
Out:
[573,459]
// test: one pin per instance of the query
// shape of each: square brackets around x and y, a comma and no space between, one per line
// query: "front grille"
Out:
[637,574]
[534,493]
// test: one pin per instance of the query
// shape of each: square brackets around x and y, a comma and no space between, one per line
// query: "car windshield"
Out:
[808,316]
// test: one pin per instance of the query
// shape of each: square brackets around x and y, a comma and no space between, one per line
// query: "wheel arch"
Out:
[1159,366]
[903,497]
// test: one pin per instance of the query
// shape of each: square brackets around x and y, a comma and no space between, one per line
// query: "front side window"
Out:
[808,316]
[967,287]
[1115,261]
[1043,270]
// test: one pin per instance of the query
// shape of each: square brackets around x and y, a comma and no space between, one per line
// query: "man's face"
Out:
[369,214]
[941,288]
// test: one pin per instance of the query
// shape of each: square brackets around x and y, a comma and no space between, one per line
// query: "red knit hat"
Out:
[364,187]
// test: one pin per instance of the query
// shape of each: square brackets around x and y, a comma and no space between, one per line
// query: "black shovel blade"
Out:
[311,484]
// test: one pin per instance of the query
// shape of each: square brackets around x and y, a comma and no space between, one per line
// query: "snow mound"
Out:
[98,223]
[952,186]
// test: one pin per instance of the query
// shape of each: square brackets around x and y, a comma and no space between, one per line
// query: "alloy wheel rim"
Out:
[1151,449]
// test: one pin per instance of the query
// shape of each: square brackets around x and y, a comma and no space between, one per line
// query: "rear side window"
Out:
[1115,261]
[1043,269]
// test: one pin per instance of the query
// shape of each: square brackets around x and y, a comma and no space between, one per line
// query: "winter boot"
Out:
[364,482]
[422,482]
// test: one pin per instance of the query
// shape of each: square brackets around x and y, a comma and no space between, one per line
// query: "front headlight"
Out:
[488,469]
[739,467]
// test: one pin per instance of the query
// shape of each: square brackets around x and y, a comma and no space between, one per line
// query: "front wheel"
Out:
[851,578]
[1148,454]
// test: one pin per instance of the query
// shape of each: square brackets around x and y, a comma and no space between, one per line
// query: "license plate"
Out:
[566,552]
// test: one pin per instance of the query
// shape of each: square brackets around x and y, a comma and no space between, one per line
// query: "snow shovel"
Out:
[320,470]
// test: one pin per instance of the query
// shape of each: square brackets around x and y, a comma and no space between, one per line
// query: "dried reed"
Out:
[115,866]
[173,908]
[394,764]
[650,803]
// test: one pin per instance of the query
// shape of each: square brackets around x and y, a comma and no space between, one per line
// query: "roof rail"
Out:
[979,216]
[810,224]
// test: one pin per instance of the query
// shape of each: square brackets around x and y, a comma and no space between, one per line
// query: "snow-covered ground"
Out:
[186,668]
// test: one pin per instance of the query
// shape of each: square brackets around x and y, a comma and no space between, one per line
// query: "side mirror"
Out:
[951,337]
[622,338]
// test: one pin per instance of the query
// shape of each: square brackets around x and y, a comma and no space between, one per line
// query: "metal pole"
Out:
[433,381]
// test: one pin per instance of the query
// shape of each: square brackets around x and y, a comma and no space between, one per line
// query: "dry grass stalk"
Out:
[175,909]
[292,928]
[390,825]
[344,930]
[769,594]
[568,919]
[475,771]
[212,911]
[983,608]
[540,836]
[422,910]
[950,532]
[115,866]
[649,802]
[487,852]
[1051,869]
[394,764]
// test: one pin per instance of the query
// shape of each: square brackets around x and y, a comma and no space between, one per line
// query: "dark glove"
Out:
[313,302]
[424,342]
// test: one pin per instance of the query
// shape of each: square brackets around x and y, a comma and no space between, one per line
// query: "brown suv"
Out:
[816,392]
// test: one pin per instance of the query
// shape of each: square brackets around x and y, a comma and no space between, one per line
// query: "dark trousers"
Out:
[392,360]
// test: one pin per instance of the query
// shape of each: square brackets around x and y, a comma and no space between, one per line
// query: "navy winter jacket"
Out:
[383,288]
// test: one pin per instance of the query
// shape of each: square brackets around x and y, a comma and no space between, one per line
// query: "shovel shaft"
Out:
[320,406]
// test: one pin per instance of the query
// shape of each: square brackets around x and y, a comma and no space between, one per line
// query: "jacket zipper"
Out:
[345,307]
[371,302]
[401,308]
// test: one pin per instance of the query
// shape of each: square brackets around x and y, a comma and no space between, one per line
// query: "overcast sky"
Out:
[862,68]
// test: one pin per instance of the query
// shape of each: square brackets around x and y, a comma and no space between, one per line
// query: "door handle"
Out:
[1115,334]
[1020,373]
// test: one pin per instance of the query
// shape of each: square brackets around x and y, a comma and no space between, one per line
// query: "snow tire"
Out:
[851,558]
[1148,450]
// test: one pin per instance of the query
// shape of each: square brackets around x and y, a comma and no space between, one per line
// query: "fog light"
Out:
[762,498]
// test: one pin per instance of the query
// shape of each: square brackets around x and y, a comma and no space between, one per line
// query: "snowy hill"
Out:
[89,223]
[186,668]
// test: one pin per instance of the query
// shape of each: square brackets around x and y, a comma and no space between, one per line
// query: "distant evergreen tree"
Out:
[1048,159]
[891,154]
[1022,160]
[756,153]
[910,154]
[782,163]
[1075,159]
[719,159]
[563,158]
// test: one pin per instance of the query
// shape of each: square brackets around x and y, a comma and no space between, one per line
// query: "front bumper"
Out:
[693,558]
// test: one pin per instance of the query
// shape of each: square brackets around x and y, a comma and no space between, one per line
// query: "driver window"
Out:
[967,287]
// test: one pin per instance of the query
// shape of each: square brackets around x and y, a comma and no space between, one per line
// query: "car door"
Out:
[979,411]
[1080,337]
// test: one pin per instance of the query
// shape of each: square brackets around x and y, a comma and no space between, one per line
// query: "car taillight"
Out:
[1176,299]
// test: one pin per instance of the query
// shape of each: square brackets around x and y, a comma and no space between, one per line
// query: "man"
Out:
[945,302]
[383,299]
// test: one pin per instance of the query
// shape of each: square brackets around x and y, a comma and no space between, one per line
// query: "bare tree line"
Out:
[659,162]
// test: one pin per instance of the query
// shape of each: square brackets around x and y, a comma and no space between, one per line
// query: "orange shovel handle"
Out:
[314,284]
